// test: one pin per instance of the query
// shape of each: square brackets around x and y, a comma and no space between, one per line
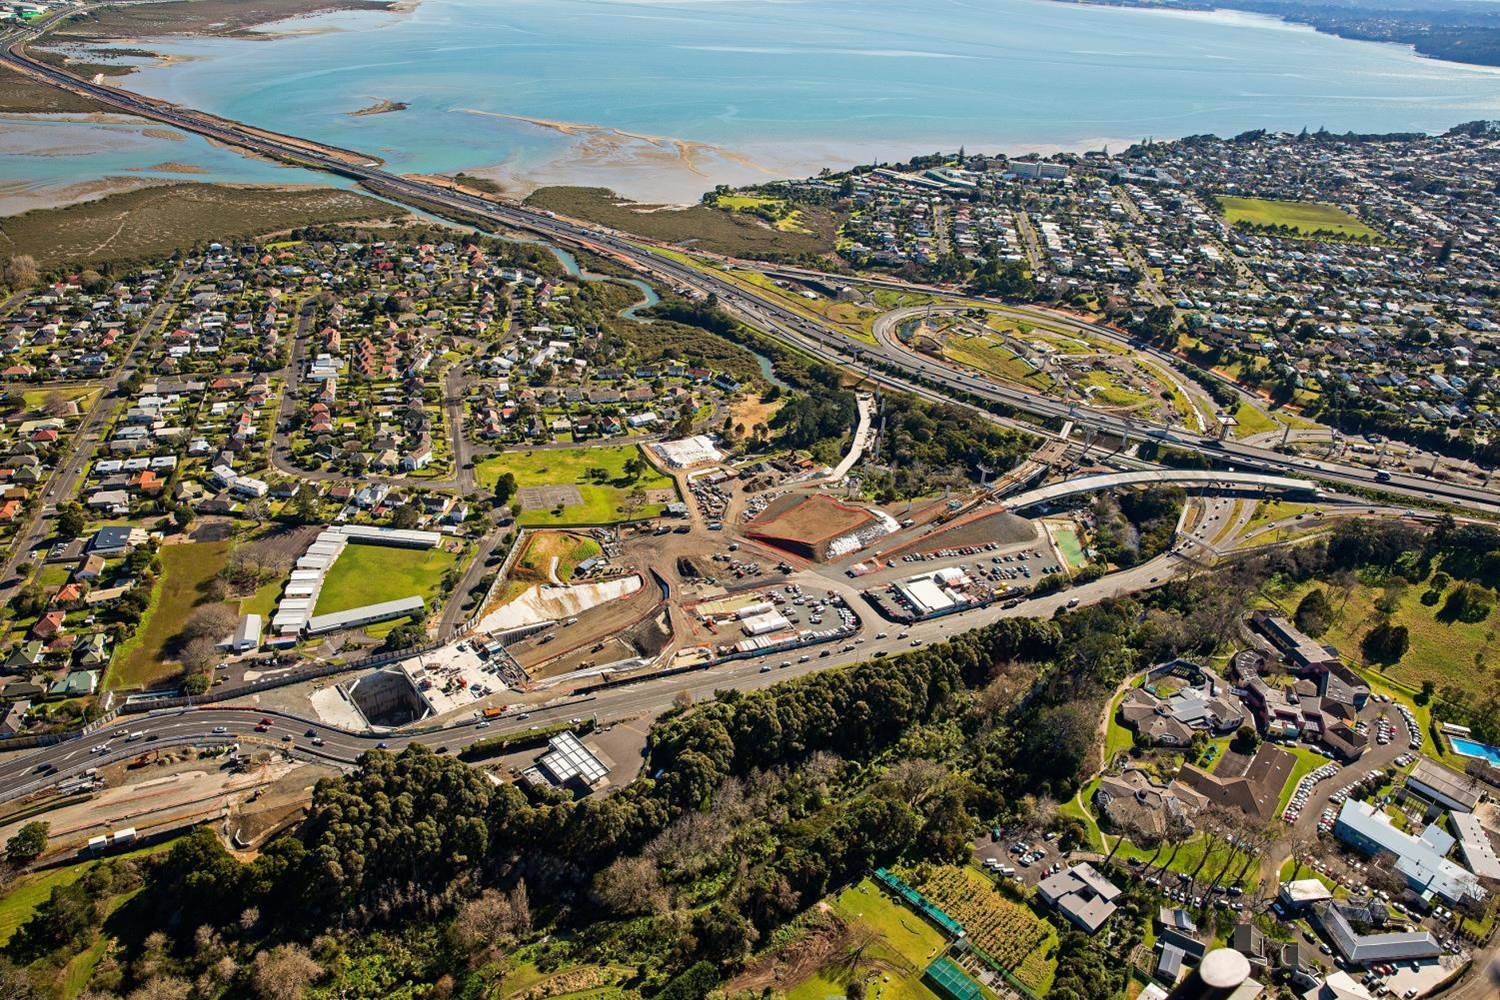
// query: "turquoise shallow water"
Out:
[688,93]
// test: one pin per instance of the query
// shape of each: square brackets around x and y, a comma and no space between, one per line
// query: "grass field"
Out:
[891,965]
[1108,389]
[29,891]
[711,229]
[994,358]
[567,548]
[1117,738]
[791,222]
[83,395]
[155,221]
[370,574]
[1271,511]
[186,573]
[605,502]
[1251,420]
[263,601]
[1306,217]
[1068,543]
[1442,652]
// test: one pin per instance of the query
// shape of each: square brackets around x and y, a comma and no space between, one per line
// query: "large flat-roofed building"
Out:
[684,453]
[1474,841]
[1301,649]
[568,761]
[367,615]
[1420,860]
[405,538]
[1445,787]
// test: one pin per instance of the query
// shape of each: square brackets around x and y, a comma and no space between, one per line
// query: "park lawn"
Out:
[567,548]
[994,358]
[604,502]
[83,395]
[263,601]
[1111,392]
[1307,762]
[909,936]
[1117,738]
[1250,420]
[1271,511]
[371,574]
[1191,853]
[1441,652]
[891,966]
[31,890]
[186,572]
[1306,217]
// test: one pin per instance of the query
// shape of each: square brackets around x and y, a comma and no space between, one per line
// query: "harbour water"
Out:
[660,99]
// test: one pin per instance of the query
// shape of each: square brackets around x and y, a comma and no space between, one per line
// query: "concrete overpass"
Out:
[1162,477]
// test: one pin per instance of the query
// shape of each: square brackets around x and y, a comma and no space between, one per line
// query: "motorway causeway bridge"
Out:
[1169,477]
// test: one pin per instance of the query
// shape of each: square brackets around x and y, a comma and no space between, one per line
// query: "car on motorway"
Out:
[286,738]
[382,745]
[220,730]
[266,721]
[317,741]
[483,724]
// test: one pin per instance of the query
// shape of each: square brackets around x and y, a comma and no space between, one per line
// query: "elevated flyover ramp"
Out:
[1161,477]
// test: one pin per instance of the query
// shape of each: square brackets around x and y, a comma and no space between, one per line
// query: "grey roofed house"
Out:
[1082,895]
[1177,918]
[116,540]
[1176,947]
[1362,949]
[1169,961]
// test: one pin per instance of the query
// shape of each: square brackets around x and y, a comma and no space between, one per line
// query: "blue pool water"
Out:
[1473,748]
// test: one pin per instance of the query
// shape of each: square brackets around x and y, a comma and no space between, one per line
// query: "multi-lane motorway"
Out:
[886,362]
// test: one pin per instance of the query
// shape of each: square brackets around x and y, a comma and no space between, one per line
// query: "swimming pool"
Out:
[1473,748]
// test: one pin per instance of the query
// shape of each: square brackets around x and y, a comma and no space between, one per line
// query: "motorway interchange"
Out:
[887,362]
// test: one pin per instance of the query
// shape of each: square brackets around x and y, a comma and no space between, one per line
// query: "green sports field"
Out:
[370,574]
[1306,217]
[607,493]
